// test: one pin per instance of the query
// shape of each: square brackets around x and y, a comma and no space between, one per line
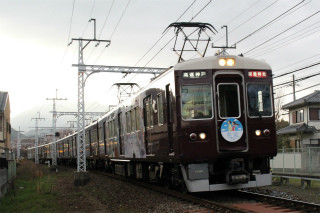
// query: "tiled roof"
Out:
[3,100]
[311,98]
[297,128]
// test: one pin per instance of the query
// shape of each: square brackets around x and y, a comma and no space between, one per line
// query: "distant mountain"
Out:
[14,135]
[27,124]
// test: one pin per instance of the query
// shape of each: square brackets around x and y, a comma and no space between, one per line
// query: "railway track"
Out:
[282,202]
[210,206]
[255,202]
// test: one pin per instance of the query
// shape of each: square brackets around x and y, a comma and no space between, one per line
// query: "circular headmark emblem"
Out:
[231,130]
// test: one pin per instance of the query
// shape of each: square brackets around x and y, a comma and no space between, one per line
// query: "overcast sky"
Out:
[36,59]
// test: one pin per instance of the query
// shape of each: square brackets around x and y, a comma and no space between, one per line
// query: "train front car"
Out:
[226,125]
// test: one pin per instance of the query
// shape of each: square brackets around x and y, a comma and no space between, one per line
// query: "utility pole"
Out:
[36,158]
[18,144]
[84,71]
[81,177]
[54,125]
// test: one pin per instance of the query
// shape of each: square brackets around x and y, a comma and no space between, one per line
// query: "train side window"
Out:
[112,129]
[196,102]
[150,113]
[229,100]
[259,100]
[133,126]
[128,121]
[137,114]
[160,109]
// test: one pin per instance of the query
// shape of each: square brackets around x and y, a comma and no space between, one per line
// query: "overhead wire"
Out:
[69,33]
[163,34]
[297,70]
[90,16]
[161,38]
[284,31]
[304,60]
[284,84]
[249,19]
[102,51]
[106,19]
[174,36]
[297,91]
[268,23]
[125,9]
[276,45]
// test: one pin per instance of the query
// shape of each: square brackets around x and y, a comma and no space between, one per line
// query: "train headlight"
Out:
[266,132]
[230,62]
[193,136]
[258,132]
[227,62]
[202,136]
[222,62]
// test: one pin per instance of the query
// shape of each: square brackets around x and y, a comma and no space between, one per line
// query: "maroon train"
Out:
[204,125]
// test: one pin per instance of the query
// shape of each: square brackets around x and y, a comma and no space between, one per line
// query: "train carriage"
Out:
[204,125]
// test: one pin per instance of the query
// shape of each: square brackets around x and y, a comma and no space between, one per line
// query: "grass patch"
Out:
[33,191]
[297,182]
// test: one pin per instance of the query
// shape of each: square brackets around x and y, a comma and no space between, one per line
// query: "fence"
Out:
[297,161]
[7,170]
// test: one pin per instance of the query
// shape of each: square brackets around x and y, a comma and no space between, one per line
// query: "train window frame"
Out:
[271,100]
[160,109]
[148,112]
[137,117]
[239,102]
[128,121]
[133,120]
[211,102]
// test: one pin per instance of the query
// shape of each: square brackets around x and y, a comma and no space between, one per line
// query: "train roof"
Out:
[212,62]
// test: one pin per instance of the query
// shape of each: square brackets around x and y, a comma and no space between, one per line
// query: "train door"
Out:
[230,112]
[169,118]
[148,123]
[120,132]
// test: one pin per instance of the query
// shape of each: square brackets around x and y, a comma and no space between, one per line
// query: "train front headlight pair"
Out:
[194,136]
[227,62]
[266,132]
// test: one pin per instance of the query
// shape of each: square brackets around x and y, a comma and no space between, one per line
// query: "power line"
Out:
[268,23]
[298,91]
[125,9]
[296,80]
[303,60]
[164,33]
[285,41]
[174,36]
[112,31]
[85,29]
[282,32]
[293,71]
[249,19]
[73,3]
[105,21]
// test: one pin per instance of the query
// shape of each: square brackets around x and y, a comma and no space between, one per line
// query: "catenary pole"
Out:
[36,158]
[54,126]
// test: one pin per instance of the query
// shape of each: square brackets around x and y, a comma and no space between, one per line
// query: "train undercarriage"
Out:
[223,174]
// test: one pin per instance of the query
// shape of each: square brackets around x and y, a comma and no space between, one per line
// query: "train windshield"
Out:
[196,102]
[229,105]
[259,100]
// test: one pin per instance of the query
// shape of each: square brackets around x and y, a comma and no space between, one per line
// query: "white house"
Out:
[304,120]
